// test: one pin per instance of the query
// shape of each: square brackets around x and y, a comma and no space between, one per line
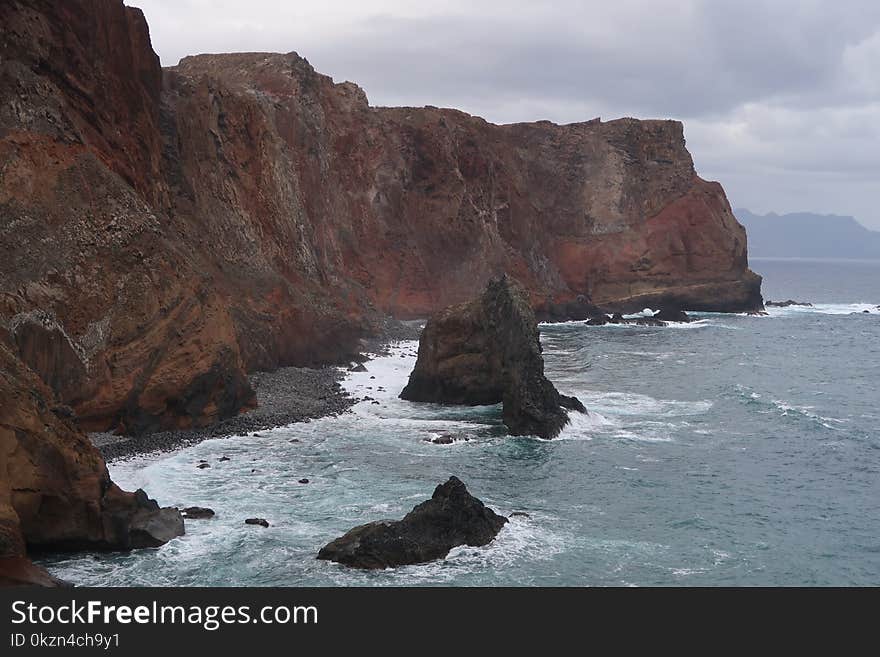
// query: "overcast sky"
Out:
[780,98]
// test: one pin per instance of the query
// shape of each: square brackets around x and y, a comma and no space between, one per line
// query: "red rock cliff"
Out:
[164,232]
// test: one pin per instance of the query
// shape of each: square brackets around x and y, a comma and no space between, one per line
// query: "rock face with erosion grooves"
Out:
[452,517]
[488,351]
[166,231]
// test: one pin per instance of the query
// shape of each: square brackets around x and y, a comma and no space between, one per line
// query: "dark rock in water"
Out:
[617,318]
[152,526]
[452,517]
[487,351]
[303,481]
[785,304]
[223,459]
[197,513]
[357,368]
[866,312]
[644,321]
[672,315]
[572,403]
[598,320]
[520,514]
[262,522]
[758,313]
[202,466]
[294,440]
[446,439]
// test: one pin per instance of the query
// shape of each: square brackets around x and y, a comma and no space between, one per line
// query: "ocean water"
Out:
[735,450]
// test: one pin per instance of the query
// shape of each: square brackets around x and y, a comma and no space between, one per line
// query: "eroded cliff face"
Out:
[55,492]
[164,232]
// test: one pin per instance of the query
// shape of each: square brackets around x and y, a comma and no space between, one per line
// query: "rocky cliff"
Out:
[164,232]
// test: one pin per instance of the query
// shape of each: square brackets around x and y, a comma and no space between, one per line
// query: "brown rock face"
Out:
[55,492]
[163,232]
[487,351]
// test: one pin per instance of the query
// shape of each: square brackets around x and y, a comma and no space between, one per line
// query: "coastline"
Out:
[285,396]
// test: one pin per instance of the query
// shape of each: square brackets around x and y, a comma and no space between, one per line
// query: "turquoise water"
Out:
[733,451]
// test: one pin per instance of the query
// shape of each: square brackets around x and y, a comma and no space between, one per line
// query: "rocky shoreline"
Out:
[285,396]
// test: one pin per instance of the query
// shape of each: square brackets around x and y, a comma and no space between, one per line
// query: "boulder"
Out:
[152,528]
[197,513]
[452,517]
[262,522]
[487,351]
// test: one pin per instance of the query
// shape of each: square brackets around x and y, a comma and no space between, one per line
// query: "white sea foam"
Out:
[825,309]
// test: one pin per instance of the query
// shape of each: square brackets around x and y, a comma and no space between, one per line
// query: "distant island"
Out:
[806,235]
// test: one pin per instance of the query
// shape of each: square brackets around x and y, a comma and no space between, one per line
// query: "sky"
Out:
[780,98]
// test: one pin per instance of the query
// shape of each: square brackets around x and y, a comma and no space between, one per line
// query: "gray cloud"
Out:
[780,98]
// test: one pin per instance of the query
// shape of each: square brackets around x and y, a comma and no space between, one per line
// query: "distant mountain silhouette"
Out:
[805,235]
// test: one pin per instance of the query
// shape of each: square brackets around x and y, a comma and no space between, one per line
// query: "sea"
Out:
[732,451]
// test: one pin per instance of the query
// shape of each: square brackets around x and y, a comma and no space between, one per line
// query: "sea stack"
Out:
[488,351]
[452,517]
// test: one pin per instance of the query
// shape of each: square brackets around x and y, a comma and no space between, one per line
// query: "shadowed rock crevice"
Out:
[488,351]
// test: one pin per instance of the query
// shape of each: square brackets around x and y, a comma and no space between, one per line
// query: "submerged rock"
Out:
[487,351]
[452,517]
[262,522]
[197,513]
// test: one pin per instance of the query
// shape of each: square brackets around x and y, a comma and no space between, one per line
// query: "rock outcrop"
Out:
[660,318]
[488,351]
[165,231]
[452,517]
[55,492]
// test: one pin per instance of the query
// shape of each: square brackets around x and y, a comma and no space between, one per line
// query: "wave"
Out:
[825,309]
[786,409]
